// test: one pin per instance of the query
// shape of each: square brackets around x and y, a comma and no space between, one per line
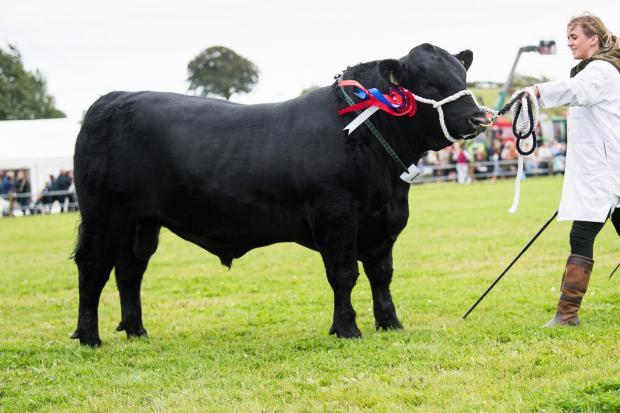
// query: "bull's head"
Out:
[431,72]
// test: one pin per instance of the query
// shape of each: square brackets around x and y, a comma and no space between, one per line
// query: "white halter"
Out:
[437,105]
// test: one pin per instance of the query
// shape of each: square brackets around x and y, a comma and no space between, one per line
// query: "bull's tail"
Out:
[78,241]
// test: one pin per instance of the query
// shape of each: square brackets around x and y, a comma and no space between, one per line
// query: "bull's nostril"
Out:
[478,120]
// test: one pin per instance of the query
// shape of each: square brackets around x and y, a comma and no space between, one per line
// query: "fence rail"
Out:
[485,170]
[48,202]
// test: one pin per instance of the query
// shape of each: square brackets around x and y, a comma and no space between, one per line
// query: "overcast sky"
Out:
[86,48]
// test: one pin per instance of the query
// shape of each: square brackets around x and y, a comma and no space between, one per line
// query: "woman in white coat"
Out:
[591,190]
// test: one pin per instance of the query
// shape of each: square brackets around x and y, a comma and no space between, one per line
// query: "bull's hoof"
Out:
[86,339]
[132,330]
[345,332]
[388,325]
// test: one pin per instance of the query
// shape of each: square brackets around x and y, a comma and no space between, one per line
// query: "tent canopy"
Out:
[43,147]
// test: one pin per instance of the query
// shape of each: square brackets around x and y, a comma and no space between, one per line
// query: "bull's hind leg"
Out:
[136,251]
[379,272]
[335,232]
[97,250]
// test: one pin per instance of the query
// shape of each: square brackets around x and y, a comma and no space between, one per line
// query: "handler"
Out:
[591,190]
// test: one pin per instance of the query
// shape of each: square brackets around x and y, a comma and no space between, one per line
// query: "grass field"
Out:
[255,338]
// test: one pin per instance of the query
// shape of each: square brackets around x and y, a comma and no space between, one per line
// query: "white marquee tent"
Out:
[43,147]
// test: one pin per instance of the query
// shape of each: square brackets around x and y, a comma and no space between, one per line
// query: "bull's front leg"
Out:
[379,272]
[335,232]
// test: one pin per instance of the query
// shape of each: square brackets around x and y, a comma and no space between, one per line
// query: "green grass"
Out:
[487,97]
[255,338]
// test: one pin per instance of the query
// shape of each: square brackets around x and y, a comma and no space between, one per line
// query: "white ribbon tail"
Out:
[515,200]
[411,175]
[361,118]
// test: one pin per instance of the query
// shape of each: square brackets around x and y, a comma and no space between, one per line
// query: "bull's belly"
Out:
[231,232]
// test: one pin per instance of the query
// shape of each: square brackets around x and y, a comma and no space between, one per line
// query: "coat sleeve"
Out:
[585,89]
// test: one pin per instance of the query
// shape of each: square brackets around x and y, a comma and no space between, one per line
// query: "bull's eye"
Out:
[462,62]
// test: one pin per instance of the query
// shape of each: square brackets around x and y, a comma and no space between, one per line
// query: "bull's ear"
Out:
[465,57]
[391,71]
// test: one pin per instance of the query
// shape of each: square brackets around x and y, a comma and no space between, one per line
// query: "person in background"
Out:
[62,183]
[22,189]
[509,153]
[8,182]
[495,155]
[545,158]
[591,190]
[462,158]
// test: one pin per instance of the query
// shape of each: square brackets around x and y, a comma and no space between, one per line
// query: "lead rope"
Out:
[523,126]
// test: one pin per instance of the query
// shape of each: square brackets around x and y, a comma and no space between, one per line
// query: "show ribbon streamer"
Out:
[397,102]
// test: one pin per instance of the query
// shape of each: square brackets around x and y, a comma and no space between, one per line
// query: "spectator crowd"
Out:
[491,156]
[16,196]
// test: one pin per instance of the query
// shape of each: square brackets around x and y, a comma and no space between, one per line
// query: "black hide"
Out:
[232,177]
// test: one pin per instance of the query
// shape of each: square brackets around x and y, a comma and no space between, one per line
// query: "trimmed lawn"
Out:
[254,338]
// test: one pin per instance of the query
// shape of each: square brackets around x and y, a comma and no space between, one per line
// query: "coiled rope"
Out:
[523,127]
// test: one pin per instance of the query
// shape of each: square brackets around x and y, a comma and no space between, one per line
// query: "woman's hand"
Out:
[529,91]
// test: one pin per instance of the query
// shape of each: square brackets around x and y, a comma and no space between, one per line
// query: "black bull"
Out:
[231,177]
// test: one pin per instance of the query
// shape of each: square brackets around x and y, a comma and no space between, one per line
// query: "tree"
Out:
[222,72]
[23,94]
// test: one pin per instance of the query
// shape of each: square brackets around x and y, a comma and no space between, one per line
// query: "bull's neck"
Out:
[404,135]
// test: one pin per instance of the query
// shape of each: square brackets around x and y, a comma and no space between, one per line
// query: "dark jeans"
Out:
[583,233]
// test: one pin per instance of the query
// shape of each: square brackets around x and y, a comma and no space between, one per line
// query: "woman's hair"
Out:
[591,26]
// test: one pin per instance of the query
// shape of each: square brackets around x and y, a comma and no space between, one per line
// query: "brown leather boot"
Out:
[574,286]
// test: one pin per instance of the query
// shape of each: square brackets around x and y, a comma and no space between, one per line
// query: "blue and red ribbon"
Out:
[397,102]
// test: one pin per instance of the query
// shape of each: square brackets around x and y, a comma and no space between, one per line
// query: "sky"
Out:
[87,48]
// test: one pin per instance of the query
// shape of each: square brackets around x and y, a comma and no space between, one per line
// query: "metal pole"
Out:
[511,264]
[504,92]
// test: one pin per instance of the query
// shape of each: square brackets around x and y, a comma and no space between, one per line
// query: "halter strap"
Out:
[438,104]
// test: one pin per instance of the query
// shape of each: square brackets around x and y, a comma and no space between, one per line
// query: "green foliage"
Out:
[23,94]
[222,72]
[254,338]
[486,96]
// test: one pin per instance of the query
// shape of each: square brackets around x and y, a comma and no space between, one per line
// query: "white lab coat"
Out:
[592,176]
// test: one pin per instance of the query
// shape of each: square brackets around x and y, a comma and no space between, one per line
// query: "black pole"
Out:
[614,271]
[511,264]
